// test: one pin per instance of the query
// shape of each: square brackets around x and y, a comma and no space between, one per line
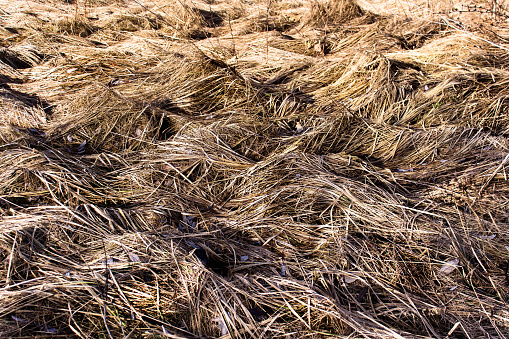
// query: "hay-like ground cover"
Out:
[254,169]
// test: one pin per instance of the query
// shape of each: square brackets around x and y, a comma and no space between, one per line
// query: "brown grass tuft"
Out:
[331,12]
[75,26]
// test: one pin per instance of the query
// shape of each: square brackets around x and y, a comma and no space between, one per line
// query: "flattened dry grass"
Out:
[220,169]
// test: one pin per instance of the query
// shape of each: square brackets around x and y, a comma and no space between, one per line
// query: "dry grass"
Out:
[297,169]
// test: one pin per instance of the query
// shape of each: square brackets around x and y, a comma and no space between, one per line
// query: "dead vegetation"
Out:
[252,169]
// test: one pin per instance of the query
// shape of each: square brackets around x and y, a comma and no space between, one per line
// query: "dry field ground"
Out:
[254,169]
